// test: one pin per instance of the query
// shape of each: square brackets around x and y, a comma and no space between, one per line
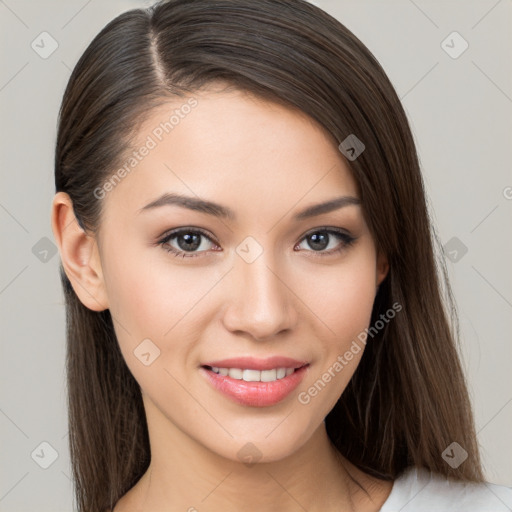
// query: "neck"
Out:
[186,476]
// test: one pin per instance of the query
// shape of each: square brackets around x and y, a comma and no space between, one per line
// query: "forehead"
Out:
[237,148]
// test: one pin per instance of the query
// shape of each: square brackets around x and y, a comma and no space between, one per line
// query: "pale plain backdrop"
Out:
[457,91]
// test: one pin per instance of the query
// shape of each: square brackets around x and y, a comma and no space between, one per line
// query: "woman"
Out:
[254,318]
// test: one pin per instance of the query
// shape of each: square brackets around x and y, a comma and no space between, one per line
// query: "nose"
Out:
[260,303]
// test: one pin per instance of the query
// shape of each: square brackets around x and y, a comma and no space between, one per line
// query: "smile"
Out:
[255,383]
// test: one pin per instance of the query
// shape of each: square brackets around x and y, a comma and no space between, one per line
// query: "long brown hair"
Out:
[407,400]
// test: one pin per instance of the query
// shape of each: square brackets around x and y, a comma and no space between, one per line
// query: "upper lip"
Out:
[253,363]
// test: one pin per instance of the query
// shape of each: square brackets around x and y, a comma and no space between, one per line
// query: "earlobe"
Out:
[79,254]
[382,267]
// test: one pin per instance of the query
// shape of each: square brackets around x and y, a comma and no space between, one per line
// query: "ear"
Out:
[79,254]
[382,268]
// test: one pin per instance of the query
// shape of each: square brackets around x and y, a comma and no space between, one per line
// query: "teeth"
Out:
[268,375]
[251,375]
[236,373]
[254,375]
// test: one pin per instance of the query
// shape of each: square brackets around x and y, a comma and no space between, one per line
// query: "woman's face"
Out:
[250,275]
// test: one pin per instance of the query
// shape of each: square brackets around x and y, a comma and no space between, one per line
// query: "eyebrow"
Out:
[217,210]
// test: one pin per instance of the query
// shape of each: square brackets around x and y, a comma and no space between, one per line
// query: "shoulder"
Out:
[419,490]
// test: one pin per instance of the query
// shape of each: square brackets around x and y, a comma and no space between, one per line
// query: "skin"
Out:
[233,149]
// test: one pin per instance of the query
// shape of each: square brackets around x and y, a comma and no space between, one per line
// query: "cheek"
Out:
[341,297]
[149,297]
[150,300]
[351,311]
[342,301]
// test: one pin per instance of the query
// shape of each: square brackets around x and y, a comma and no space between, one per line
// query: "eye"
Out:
[327,241]
[187,242]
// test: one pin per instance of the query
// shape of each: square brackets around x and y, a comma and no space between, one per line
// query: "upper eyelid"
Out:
[205,233]
[177,231]
[174,232]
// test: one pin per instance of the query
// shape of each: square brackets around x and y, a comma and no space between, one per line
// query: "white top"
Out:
[419,490]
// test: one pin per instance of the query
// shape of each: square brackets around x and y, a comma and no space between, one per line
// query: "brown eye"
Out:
[186,242]
[326,241]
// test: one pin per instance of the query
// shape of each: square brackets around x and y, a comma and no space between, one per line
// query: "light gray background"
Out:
[460,112]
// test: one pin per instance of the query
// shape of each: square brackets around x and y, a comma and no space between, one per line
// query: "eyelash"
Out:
[346,239]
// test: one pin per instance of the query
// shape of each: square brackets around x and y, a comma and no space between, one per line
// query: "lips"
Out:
[255,382]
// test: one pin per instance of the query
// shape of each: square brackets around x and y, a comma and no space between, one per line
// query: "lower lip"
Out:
[255,394]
